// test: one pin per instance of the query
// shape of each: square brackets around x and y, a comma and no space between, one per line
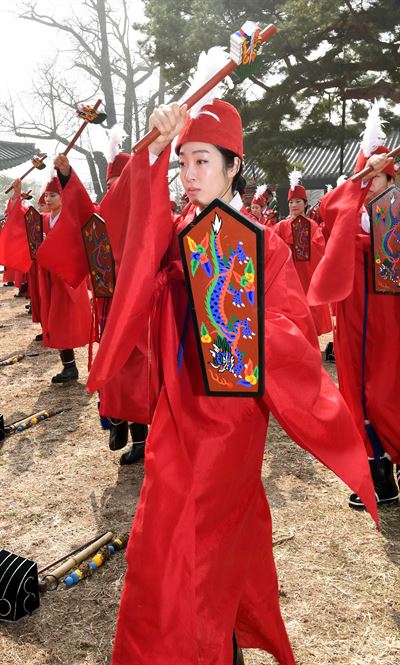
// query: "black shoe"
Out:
[118,434]
[70,370]
[8,284]
[329,355]
[138,432]
[69,373]
[135,454]
[386,491]
[39,338]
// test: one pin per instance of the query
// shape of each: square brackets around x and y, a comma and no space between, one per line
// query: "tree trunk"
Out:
[106,79]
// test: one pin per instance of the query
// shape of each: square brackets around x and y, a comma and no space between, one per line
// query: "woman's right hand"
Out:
[378,164]
[169,119]
[17,187]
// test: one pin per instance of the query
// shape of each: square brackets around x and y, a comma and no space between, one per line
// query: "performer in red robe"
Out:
[367,354]
[297,198]
[200,561]
[64,312]
[117,389]
[121,400]
[258,203]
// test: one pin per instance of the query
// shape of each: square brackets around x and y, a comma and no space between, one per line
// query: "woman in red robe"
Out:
[258,204]
[65,313]
[366,349]
[297,198]
[200,561]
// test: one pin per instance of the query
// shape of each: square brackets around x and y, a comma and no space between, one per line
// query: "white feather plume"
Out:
[341,179]
[50,174]
[329,187]
[116,136]
[294,178]
[373,135]
[260,191]
[208,64]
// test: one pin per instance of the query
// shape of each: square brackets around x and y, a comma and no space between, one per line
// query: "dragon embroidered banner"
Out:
[223,259]
[384,213]
[99,257]
[301,231]
[34,230]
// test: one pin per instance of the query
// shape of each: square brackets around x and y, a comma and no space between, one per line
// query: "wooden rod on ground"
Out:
[76,559]
[75,551]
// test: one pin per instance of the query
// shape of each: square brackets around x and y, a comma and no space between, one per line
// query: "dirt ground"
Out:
[60,485]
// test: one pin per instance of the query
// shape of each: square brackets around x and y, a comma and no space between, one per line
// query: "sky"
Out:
[24,46]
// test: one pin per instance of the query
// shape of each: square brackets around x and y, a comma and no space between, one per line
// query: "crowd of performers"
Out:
[201,581]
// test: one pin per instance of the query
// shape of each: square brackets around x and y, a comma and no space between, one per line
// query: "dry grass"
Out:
[60,485]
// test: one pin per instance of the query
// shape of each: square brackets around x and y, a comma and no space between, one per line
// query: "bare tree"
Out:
[98,37]
[53,100]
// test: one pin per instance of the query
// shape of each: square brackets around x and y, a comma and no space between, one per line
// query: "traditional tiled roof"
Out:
[320,165]
[14,154]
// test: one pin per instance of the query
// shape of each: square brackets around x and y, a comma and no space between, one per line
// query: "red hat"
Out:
[362,160]
[115,168]
[53,186]
[260,201]
[259,198]
[297,193]
[218,123]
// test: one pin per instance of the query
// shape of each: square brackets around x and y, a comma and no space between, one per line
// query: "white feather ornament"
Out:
[116,136]
[260,191]
[373,135]
[208,64]
[341,179]
[329,188]
[294,178]
[51,173]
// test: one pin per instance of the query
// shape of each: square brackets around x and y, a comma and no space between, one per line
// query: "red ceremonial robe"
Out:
[263,220]
[16,276]
[16,250]
[34,293]
[65,312]
[340,278]
[123,397]
[200,559]
[305,269]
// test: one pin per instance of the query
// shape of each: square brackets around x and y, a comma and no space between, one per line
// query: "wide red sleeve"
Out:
[63,251]
[140,243]
[299,391]
[14,248]
[284,230]
[340,211]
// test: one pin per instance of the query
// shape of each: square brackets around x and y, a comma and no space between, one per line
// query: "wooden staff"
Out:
[27,422]
[368,169]
[148,138]
[80,130]
[74,561]
[39,159]
[11,360]
[70,554]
